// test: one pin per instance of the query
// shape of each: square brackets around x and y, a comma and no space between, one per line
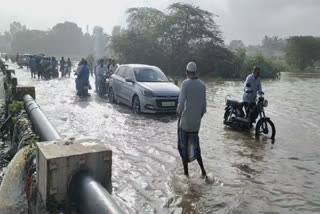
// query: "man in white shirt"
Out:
[112,67]
[191,108]
[252,87]
[100,72]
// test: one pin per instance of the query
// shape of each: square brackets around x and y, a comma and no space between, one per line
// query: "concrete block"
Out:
[23,90]
[58,161]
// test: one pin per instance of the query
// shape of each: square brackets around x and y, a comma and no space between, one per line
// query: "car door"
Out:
[118,80]
[128,87]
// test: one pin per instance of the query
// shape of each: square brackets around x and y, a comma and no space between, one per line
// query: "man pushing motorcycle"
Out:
[252,86]
[236,118]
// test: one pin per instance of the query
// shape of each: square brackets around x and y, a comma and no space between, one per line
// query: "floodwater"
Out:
[250,175]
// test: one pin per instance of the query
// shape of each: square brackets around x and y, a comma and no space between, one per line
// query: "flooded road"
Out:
[251,176]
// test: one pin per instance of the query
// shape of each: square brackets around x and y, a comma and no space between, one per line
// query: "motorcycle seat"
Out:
[235,103]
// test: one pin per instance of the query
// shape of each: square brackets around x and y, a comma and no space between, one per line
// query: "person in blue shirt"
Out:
[83,79]
[32,66]
[54,62]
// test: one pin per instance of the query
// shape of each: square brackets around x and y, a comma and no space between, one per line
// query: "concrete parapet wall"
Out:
[22,90]
[42,172]
[58,161]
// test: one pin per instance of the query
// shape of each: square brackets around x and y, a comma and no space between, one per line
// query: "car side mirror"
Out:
[129,80]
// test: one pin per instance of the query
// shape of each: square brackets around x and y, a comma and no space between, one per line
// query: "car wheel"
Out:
[136,104]
[111,96]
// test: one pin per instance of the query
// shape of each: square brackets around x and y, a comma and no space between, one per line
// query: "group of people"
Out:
[192,106]
[103,70]
[44,66]
[47,67]
[65,66]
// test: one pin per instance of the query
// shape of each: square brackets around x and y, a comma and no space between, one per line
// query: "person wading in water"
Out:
[191,108]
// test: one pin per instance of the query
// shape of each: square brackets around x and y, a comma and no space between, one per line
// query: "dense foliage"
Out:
[167,39]
[184,33]
[63,39]
[303,52]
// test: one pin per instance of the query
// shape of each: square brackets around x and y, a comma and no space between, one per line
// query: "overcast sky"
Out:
[247,20]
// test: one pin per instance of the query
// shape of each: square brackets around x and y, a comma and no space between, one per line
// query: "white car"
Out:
[145,88]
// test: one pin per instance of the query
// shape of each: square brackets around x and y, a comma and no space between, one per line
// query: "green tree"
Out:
[29,41]
[169,40]
[236,44]
[302,51]
[16,27]
[143,19]
[272,45]
[65,38]
[141,42]
[188,28]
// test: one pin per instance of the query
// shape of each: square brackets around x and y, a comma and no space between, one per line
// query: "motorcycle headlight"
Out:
[265,103]
[148,93]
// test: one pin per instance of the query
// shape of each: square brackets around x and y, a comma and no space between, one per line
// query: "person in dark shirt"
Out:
[69,65]
[62,65]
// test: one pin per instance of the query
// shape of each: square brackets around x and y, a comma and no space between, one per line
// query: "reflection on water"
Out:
[250,175]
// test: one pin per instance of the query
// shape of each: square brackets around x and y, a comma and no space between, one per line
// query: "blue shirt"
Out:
[54,63]
[84,73]
[32,63]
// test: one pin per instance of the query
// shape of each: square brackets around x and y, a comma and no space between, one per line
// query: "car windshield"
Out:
[150,75]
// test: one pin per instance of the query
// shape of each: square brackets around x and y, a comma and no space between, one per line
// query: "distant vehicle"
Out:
[145,88]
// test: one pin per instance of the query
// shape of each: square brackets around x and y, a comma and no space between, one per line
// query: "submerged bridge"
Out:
[61,172]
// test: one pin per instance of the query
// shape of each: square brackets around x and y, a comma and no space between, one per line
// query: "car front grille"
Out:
[160,105]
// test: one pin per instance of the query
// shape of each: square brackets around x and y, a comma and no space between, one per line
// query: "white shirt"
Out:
[113,68]
[101,71]
[252,85]
[192,104]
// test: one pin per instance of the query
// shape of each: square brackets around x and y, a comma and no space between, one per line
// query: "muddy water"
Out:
[251,176]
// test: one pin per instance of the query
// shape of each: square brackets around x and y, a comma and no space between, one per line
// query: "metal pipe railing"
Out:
[90,196]
[40,122]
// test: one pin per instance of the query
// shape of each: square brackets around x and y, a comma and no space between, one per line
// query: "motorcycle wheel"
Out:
[266,128]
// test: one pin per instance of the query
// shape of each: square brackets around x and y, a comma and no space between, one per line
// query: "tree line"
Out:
[296,53]
[169,40]
[63,39]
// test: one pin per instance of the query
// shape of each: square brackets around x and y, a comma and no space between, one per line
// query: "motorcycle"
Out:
[81,87]
[235,117]
[50,72]
[102,86]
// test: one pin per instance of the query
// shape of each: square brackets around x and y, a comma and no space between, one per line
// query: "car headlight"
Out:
[148,93]
[265,103]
